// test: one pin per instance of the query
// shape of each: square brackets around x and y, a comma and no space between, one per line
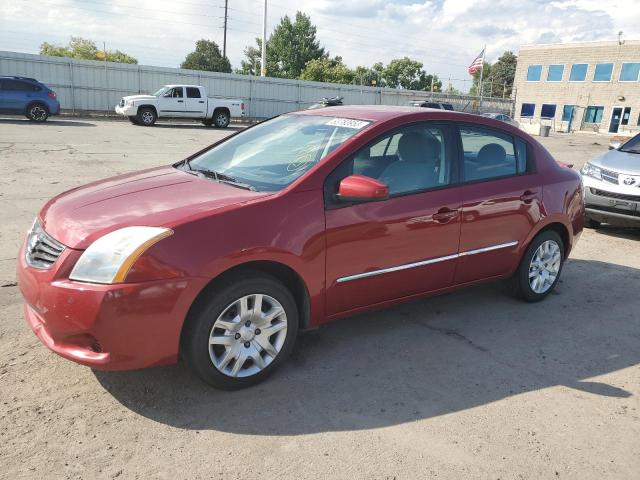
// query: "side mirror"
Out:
[615,145]
[359,188]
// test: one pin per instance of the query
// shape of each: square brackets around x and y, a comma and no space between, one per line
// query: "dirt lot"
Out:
[468,385]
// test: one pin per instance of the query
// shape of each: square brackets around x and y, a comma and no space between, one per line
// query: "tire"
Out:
[547,250]
[240,337]
[37,112]
[133,120]
[146,116]
[221,119]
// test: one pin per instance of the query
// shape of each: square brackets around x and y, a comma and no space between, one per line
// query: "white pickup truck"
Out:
[180,101]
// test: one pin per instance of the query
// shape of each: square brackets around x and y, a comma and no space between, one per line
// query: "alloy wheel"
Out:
[147,117]
[248,335]
[38,113]
[545,266]
[221,120]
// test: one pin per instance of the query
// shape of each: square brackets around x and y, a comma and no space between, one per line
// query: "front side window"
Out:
[593,114]
[603,72]
[534,72]
[411,159]
[275,153]
[629,72]
[528,109]
[193,92]
[578,72]
[488,154]
[555,73]
[175,92]
[548,111]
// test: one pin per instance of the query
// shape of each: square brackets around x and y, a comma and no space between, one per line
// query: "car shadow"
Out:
[418,360]
[48,123]
[627,233]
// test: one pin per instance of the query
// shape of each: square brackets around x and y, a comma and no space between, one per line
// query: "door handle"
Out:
[445,215]
[200,101]
[180,101]
[528,196]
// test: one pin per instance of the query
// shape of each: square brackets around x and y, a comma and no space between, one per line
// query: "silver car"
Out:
[502,117]
[612,186]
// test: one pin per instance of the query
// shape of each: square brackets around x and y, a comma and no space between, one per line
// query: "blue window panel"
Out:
[528,109]
[603,72]
[534,73]
[578,72]
[567,113]
[548,111]
[554,74]
[593,114]
[629,72]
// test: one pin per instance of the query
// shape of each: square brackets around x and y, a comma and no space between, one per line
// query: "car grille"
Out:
[42,250]
[619,196]
[609,176]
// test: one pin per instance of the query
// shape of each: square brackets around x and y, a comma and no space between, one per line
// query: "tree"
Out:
[326,69]
[289,48]
[496,76]
[369,76]
[207,56]
[84,49]
[407,73]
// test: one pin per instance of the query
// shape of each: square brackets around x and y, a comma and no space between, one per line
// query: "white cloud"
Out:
[443,34]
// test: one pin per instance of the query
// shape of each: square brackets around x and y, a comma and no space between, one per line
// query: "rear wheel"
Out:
[242,333]
[540,267]
[146,116]
[37,112]
[221,118]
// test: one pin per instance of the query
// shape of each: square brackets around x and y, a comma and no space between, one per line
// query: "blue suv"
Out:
[27,96]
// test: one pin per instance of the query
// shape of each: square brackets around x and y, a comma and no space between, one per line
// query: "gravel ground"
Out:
[468,385]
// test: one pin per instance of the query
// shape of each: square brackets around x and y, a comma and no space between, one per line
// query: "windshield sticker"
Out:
[347,123]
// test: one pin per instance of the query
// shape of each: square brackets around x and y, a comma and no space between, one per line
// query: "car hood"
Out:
[157,197]
[140,97]
[618,162]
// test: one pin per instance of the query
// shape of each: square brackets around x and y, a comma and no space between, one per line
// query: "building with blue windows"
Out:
[591,86]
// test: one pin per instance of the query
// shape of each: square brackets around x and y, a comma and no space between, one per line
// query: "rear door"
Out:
[171,103]
[14,95]
[195,104]
[404,245]
[501,201]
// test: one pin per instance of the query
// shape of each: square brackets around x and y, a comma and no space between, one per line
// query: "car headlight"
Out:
[591,171]
[109,259]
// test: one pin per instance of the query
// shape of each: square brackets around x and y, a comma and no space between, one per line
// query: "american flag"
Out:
[476,65]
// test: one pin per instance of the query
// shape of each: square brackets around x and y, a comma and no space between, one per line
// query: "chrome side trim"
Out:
[489,249]
[407,266]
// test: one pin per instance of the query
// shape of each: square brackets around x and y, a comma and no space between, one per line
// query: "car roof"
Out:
[381,113]
[13,77]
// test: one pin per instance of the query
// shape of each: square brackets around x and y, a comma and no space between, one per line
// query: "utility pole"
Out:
[263,63]
[224,40]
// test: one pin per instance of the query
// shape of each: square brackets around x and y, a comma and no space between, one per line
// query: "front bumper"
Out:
[127,110]
[610,203]
[107,327]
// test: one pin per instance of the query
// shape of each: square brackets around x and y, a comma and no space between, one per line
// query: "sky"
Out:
[445,35]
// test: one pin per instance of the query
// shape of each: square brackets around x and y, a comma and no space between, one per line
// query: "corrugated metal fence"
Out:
[87,85]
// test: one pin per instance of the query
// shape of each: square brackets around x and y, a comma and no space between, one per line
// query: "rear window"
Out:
[20,86]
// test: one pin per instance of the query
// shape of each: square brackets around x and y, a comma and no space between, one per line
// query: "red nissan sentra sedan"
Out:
[222,258]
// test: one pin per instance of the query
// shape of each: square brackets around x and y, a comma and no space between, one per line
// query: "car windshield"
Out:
[275,153]
[159,92]
[632,146]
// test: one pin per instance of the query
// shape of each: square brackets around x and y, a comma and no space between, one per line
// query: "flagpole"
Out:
[484,51]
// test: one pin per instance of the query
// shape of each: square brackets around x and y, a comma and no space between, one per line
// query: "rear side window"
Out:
[491,154]
[17,85]
[193,92]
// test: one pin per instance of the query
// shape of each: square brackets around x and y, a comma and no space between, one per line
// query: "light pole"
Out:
[263,63]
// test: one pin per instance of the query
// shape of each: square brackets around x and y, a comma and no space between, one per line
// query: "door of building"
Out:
[616,116]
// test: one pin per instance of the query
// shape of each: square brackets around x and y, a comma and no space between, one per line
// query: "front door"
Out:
[616,116]
[171,103]
[501,201]
[404,245]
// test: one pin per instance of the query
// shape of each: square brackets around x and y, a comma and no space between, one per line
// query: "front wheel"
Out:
[146,117]
[540,267]
[242,333]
